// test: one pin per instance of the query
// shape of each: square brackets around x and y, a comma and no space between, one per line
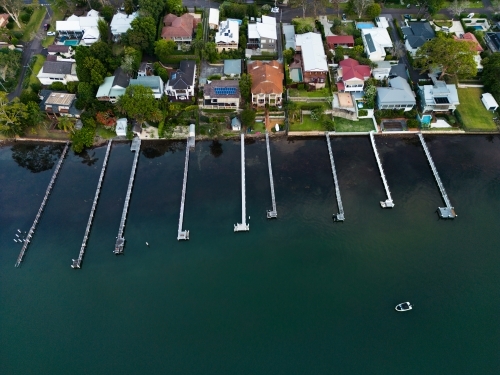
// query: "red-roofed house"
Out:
[179,29]
[340,40]
[4,19]
[351,76]
[469,37]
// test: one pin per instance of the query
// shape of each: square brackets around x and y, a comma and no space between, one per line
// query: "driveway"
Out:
[207,70]
[326,25]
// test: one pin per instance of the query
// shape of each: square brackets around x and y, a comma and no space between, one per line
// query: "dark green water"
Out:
[297,295]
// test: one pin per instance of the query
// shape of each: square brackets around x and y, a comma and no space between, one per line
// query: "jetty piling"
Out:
[77,263]
[271,214]
[42,206]
[243,226]
[120,240]
[388,203]
[340,216]
[447,212]
[184,234]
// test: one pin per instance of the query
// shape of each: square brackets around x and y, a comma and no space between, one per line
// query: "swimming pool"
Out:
[426,119]
[71,42]
[476,27]
[365,25]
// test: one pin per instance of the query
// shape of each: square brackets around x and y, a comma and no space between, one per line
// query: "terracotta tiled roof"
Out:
[340,39]
[182,26]
[469,37]
[4,19]
[351,69]
[267,78]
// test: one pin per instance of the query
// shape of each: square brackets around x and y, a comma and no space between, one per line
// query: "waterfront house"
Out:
[351,75]
[475,47]
[314,65]
[113,87]
[335,41]
[57,71]
[398,95]
[120,24]
[121,127]
[263,35]
[375,41]
[182,82]
[213,18]
[228,36]
[155,83]
[416,34]
[267,82]
[56,104]
[438,97]
[221,94]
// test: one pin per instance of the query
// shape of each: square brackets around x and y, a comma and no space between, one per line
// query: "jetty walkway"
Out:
[42,206]
[447,212]
[388,203]
[120,240]
[271,213]
[340,216]
[243,226]
[184,234]
[77,263]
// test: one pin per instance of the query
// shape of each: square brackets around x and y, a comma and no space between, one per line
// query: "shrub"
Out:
[363,112]
[25,17]
[412,123]
[214,77]
[300,86]
[411,114]
[57,86]
[36,87]
[72,87]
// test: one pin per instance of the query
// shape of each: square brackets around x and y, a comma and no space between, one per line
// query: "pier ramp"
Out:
[181,233]
[243,226]
[340,216]
[271,214]
[388,203]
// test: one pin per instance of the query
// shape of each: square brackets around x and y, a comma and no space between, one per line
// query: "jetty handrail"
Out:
[120,242]
[183,235]
[78,262]
[340,215]
[434,171]
[243,226]
[388,202]
[273,213]
[40,210]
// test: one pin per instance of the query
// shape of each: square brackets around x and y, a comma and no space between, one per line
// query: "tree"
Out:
[288,55]
[495,5]
[107,12]
[432,6]
[103,28]
[318,6]
[13,9]
[248,116]
[85,136]
[452,57]
[458,7]
[164,49]
[210,52]
[13,116]
[96,69]
[65,124]
[131,60]
[398,49]
[128,64]
[300,4]
[370,94]
[359,6]
[142,33]
[245,86]
[86,93]
[373,10]
[102,52]
[491,75]
[139,103]
[174,6]
[35,115]
[128,6]
[152,8]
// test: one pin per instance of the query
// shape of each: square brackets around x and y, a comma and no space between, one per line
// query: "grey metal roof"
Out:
[232,66]
[399,92]
[46,94]
[369,42]
[57,67]
[422,28]
[58,48]
[120,78]
[415,41]
[398,70]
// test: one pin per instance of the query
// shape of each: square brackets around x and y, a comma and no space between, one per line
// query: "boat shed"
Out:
[489,102]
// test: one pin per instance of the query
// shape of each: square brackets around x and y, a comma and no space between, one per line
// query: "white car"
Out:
[51,33]
[275,10]
[470,15]
[182,97]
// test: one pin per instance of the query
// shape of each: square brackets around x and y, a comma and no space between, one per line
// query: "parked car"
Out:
[182,97]
[408,16]
[344,17]
[51,33]
[408,6]
[46,26]
[470,15]
[275,10]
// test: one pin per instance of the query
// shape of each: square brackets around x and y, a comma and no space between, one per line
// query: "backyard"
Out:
[472,111]
[320,93]
[308,124]
[344,125]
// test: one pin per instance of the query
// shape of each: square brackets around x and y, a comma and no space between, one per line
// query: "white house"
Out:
[228,36]
[121,127]
[213,18]
[375,41]
[181,82]
[121,23]
[57,71]
[382,22]
[263,35]
[438,97]
[84,27]
[489,102]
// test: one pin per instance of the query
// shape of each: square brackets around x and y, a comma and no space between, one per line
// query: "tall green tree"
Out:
[142,34]
[96,70]
[65,124]
[248,116]
[451,57]
[164,49]
[13,9]
[129,6]
[152,8]
[139,103]
[491,75]
[174,6]
[103,28]
[245,86]
[13,116]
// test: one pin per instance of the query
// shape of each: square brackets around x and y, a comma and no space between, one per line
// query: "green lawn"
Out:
[443,23]
[34,24]
[47,41]
[344,125]
[321,93]
[307,124]
[472,111]
[258,127]
[36,68]
[303,22]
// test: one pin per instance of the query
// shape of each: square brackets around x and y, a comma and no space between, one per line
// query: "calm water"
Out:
[297,295]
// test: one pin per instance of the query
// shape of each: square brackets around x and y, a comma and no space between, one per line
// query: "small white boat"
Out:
[405,306]
[15,240]
[19,231]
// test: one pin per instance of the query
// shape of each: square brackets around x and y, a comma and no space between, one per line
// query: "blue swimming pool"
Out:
[426,119]
[476,27]
[365,25]
[71,42]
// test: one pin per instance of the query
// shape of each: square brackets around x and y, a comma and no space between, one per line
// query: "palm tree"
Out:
[65,124]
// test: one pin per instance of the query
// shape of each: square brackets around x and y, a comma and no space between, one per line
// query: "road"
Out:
[30,49]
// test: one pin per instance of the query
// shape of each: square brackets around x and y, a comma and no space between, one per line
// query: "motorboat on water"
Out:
[405,306]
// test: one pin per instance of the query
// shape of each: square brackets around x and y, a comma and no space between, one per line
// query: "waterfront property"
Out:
[416,34]
[56,104]
[438,97]
[351,75]
[262,35]
[267,83]
[182,81]
[375,41]
[473,112]
[179,29]
[221,94]
[83,28]
[227,37]
[314,64]
[398,95]
[155,83]
[113,87]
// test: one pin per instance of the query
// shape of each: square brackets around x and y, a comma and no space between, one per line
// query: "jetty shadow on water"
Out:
[36,157]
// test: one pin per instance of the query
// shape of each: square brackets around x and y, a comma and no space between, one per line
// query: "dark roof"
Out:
[494,38]
[369,42]
[210,89]
[57,67]
[419,28]
[58,48]
[183,77]
[416,41]
[120,78]
[398,70]
[51,58]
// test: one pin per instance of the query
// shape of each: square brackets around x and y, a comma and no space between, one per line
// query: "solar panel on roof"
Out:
[442,100]
[225,90]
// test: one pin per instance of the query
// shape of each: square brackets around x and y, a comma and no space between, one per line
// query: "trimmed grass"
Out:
[472,111]
[34,24]
[47,41]
[321,93]
[344,125]
[303,22]
[443,23]
[258,127]
[308,124]
[36,68]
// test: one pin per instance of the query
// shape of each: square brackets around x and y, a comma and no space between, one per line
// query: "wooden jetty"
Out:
[42,206]
[77,263]
[120,240]
[340,216]
[243,226]
[447,212]
[271,214]
[388,203]
[184,234]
